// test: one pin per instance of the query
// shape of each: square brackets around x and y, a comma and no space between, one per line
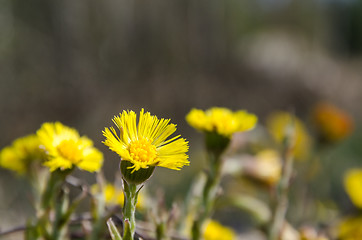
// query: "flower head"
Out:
[266,167]
[333,124]
[144,144]
[277,124]
[353,186]
[221,120]
[66,149]
[216,231]
[21,154]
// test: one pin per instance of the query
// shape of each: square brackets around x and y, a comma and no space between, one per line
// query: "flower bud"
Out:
[135,177]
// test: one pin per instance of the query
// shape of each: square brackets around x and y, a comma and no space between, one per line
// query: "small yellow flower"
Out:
[277,123]
[332,123]
[66,149]
[115,196]
[216,231]
[21,154]
[350,229]
[144,144]
[267,167]
[353,186]
[221,120]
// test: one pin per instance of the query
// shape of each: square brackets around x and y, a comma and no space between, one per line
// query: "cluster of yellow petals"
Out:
[277,124]
[353,186]
[145,143]
[21,154]
[333,123]
[221,120]
[216,231]
[66,149]
[268,166]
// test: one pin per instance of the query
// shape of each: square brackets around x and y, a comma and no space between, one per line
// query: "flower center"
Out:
[142,150]
[69,150]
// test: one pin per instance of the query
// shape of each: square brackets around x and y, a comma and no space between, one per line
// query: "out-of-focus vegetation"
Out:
[82,62]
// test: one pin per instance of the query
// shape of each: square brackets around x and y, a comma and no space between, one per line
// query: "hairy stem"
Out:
[129,224]
[281,201]
[209,193]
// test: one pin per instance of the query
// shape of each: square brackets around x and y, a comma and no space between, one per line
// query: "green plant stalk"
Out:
[58,230]
[161,231]
[129,209]
[49,204]
[113,230]
[209,192]
[281,203]
[98,208]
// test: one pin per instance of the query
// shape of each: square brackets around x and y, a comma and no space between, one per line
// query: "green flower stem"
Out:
[209,192]
[53,186]
[129,209]
[58,229]
[281,202]
[161,231]
[49,204]
[113,230]
[98,208]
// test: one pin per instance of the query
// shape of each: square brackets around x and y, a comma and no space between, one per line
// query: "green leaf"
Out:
[113,230]
[128,234]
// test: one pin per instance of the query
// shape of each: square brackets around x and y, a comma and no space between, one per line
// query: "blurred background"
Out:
[82,62]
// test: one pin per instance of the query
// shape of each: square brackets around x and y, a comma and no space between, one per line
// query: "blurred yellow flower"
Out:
[350,229]
[353,186]
[115,196]
[21,154]
[278,122]
[267,166]
[66,149]
[221,120]
[332,123]
[144,144]
[216,231]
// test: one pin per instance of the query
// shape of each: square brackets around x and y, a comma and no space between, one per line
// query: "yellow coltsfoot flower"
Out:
[265,167]
[277,124]
[66,149]
[23,153]
[353,186]
[221,120]
[216,231]
[143,145]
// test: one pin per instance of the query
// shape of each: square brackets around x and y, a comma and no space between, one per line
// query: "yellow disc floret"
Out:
[142,150]
[69,150]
